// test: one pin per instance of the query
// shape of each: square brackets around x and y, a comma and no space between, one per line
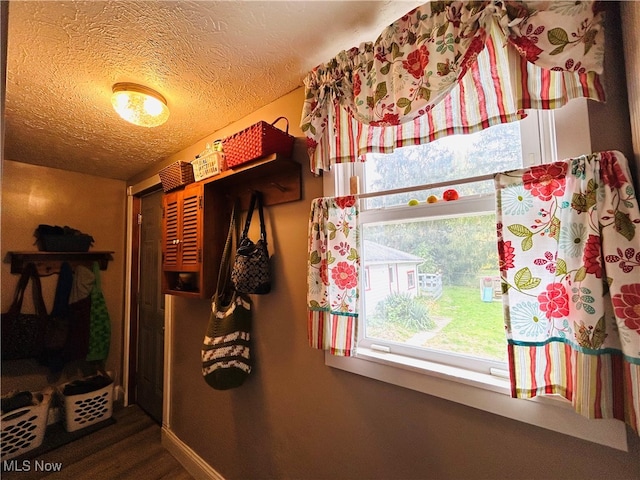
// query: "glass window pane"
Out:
[457,306]
[496,149]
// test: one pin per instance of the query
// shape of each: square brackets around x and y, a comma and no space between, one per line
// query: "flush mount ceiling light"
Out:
[139,105]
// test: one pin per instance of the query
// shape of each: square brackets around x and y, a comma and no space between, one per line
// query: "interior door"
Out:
[150,362]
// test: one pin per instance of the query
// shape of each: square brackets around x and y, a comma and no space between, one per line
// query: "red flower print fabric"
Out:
[416,62]
[345,275]
[506,255]
[546,181]
[571,251]
[333,264]
[627,306]
[554,302]
[591,256]
[527,48]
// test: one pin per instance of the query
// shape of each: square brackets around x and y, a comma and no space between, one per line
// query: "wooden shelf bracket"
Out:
[49,263]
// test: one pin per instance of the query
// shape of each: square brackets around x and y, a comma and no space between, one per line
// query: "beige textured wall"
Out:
[32,195]
[296,418]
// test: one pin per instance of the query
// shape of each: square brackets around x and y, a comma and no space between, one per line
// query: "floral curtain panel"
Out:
[569,252]
[333,265]
[501,56]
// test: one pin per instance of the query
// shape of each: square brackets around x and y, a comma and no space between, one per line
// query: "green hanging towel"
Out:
[100,325]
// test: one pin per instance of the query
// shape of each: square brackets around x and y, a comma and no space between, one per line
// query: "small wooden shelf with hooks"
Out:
[196,219]
[277,178]
[49,263]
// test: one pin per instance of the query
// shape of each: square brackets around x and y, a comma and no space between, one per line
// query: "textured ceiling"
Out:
[214,62]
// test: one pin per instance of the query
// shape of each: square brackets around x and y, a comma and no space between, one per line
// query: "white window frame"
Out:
[563,134]
[411,279]
[366,278]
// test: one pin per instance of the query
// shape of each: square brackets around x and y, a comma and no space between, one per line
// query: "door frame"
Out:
[132,277]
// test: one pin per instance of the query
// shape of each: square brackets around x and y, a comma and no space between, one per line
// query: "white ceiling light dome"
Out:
[139,105]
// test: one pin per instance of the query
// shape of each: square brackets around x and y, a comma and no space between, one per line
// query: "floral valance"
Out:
[448,66]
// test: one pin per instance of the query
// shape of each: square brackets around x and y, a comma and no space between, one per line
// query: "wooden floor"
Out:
[128,449]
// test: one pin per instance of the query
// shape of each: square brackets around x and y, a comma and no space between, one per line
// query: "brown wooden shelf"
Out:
[196,217]
[49,263]
[277,178]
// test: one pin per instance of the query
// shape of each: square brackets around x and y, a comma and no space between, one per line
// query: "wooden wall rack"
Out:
[278,178]
[49,263]
[196,219]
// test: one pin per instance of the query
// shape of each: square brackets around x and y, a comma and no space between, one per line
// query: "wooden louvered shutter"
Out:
[191,208]
[170,233]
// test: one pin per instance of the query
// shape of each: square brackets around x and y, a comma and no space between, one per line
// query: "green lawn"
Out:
[474,327]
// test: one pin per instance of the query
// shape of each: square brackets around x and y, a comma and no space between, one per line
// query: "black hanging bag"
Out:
[23,333]
[58,322]
[250,273]
[226,350]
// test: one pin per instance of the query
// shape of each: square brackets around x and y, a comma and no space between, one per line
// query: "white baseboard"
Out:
[118,393]
[189,459]
[54,415]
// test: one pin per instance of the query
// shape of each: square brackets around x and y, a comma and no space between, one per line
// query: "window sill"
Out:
[481,391]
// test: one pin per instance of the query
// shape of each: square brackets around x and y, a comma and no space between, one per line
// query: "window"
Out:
[455,317]
[450,327]
[411,279]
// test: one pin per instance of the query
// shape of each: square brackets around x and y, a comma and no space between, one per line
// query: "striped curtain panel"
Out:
[569,250]
[451,67]
[333,270]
